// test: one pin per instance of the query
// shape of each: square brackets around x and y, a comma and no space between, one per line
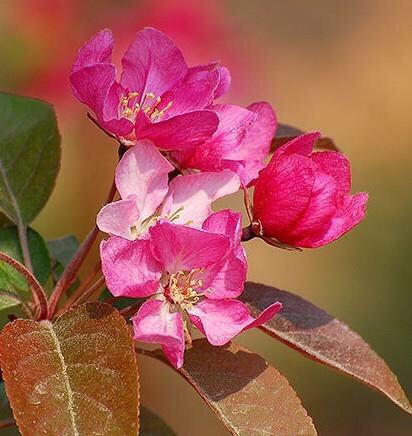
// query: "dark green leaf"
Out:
[153,425]
[63,249]
[29,156]
[9,244]
[7,300]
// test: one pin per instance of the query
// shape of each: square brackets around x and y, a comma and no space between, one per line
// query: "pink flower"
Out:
[240,143]
[157,97]
[189,274]
[142,181]
[303,198]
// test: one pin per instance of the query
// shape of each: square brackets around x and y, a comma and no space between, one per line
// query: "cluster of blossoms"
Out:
[184,151]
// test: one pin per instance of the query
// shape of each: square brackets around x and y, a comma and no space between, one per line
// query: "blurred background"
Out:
[341,66]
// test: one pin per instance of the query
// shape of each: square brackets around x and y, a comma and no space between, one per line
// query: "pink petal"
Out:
[259,134]
[91,85]
[322,206]
[143,173]
[282,193]
[117,218]
[97,50]
[191,195]
[155,323]
[224,83]
[225,279]
[181,132]
[152,63]
[234,122]
[221,320]
[129,268]
[351,213]
[302,144]
[194,92]
[335,165]
[226,222]
[181,248]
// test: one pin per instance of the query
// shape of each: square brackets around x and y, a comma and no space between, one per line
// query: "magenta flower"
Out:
[303,198]
[157,97]
[142,181]
[240,143]
[190,275]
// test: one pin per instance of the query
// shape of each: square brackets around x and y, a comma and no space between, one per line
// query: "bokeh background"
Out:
[341,66]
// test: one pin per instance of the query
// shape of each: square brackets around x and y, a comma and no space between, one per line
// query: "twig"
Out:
[85,284]
[130,310]
[248,205]
[9,422]
[72,269]
[24,244]
[37,291]
[90,291]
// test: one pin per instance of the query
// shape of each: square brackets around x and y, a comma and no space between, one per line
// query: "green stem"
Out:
[37,291]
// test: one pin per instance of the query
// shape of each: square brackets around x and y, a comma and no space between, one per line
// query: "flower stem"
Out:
[9,422]
[72,269]
[24,244]
[39,296]
[248,233]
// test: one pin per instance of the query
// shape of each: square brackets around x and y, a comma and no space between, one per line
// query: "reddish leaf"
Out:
[77,376]
[285,133]
[319,336]
[249,396]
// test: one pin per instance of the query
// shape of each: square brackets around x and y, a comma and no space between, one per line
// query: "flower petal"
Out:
[194,92]
[91,86]
[152,64]
[181,248]
[181,132]
[143,173]
[129,267]
[302,144]
[222,320]
[224,83]
[118,217]
[351,213]
[191,196]
[97,50]
[282,193]
[155,323]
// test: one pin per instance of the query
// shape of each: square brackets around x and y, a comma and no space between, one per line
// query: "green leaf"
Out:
[63,249]
[9,244]
[8,300]
[4,401]
[153,425]
[29,156]
[77,376]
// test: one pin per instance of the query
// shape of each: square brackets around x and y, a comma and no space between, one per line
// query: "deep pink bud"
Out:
[303,198]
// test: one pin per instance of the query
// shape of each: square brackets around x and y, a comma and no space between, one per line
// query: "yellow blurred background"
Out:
[343,67]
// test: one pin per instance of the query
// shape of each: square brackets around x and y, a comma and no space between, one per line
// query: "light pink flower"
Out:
[303,198]
[240,143]
[157,97]
[190,274]
[142,181]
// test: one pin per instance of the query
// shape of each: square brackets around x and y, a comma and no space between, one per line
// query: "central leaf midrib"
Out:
[70,403]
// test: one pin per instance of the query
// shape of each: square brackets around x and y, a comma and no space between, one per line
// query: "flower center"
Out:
[182,288]
[129,106]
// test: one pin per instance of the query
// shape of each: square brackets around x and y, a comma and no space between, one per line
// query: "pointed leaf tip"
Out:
[321,337]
